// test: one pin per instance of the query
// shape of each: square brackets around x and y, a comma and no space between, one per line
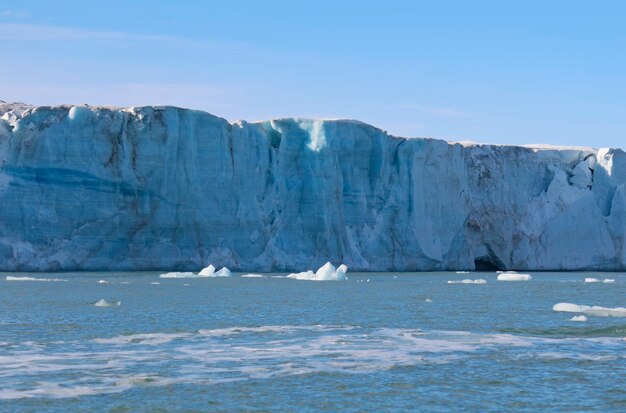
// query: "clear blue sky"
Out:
[489,71]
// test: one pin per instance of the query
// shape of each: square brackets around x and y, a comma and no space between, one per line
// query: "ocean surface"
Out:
[377,342]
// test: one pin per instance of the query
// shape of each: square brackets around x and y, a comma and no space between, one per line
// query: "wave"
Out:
[212,356]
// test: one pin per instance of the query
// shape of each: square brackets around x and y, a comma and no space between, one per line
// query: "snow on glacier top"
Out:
[18,109]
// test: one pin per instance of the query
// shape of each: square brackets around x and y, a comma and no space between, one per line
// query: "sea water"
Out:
[376,342]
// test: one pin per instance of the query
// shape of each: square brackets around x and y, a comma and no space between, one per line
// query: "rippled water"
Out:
[396,342]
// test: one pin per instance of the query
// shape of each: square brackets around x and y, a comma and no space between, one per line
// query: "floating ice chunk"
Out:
[103,282]
[513,276]
[207,271]
[224,272]
[608,281]
[178,275]
[570,308]
[428,300]
[253,276]
[578,318]
[592,280]
[155,283]
[104,303]
[11,278]
[594,311]
[606,312]
[462,272]
[327,272]
[468,281]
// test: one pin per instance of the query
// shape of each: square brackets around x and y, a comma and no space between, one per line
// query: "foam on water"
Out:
[212,356]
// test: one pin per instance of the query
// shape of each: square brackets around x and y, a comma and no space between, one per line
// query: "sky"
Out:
[510,72]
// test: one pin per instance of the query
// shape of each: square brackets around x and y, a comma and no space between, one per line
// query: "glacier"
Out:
[141,188]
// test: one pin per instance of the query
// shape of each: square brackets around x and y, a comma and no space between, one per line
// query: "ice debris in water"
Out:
[588,310]
[513,276]
[428,300]
[155,283]
[103,282]
[462,272]
[253,276]
[468,281]
[595,280]
[11,278]
[207,272]
[327,272]
[104,303]
[578,318]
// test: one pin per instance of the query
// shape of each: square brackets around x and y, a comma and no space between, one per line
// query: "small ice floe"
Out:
[48,280]
[589,310]
[327,272]
[176,274]
[595,280]
[207,272]
[428,300]
[514,276]
[103,282]
[104,303]
[468,281]
[155,283]
[253,276]
[578,318]
[462,272]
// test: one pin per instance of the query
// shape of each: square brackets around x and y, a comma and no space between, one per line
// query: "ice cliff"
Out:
[173,189]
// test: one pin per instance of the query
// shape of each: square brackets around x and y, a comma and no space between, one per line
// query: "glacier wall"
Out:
[85,188]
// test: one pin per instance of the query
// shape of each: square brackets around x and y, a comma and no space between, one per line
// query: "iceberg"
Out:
[224,272]
[288,193]
[327,272]
[589,310]
[207,271]
[513,276]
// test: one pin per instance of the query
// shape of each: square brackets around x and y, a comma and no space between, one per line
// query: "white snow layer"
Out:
[280,194]
[513,276]
[327,272]
[589,310]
